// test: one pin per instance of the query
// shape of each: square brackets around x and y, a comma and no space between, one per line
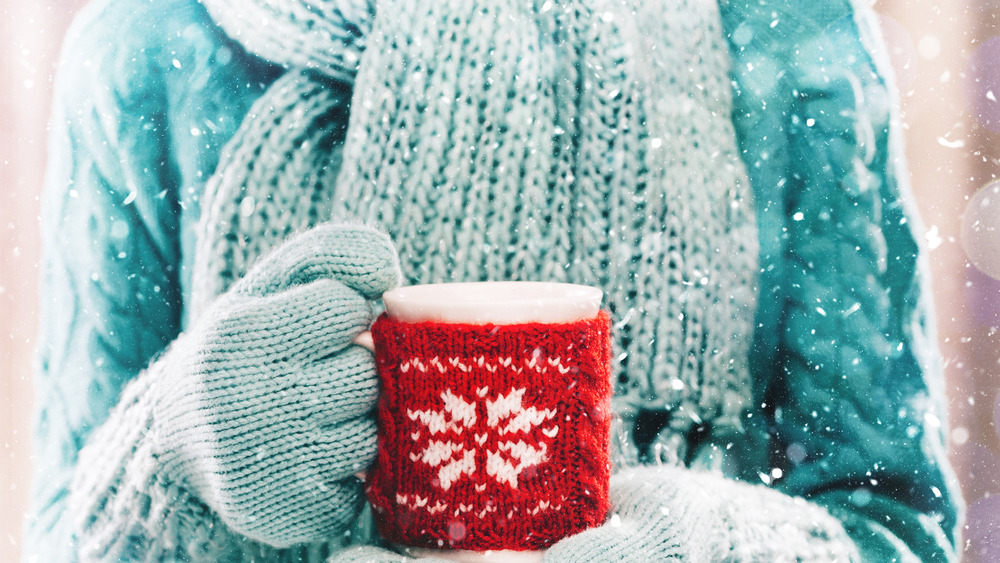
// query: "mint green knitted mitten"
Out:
[263,408]
[670,513]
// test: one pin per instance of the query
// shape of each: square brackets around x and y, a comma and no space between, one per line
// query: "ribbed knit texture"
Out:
[556,177]
[278,184]
[553,147]
[491,437]
[325,35]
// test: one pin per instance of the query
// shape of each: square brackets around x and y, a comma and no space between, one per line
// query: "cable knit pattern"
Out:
[584,158]
[856,334]
[325,35]
[589,141]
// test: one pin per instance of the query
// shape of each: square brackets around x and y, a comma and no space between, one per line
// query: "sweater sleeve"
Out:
[111,296]
[109,254]
[845,355]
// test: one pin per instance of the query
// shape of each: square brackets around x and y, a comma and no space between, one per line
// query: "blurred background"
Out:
[947,60]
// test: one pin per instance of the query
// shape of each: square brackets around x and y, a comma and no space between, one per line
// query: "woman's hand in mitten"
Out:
[663,513]
[264,406]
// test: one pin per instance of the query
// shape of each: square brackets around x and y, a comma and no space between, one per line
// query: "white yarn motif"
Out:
[453,459]
[414,502]
[455,456]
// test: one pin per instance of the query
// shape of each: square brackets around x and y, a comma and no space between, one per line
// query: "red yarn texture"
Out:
[491,437]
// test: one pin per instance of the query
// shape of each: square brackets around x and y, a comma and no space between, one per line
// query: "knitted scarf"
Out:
[586,141]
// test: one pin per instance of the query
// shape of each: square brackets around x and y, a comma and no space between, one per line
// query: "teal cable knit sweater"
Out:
[165,124]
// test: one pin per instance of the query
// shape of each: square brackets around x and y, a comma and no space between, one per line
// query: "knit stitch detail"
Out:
[670,513]
[127,322]
[556,148]
[567,142]
[273,179]
[264,407]
[491,437]
[129,509]
[324,35]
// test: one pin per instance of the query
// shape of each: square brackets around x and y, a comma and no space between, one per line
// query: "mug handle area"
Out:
[365,341]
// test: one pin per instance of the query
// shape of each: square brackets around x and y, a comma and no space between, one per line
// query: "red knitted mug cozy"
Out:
[491,436]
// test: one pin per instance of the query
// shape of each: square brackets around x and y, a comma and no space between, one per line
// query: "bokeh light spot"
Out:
[981,230]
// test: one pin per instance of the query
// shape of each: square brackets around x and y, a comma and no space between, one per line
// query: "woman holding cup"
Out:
[239,184]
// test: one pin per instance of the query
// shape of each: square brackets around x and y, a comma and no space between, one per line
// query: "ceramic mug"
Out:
[494,418]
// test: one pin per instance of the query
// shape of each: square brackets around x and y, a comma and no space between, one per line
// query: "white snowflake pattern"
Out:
[505,415]
[510,409]
[453,459]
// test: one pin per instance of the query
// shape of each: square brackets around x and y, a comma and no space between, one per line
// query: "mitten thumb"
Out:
[356,255]
[649,522]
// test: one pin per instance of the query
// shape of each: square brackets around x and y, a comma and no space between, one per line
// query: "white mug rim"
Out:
[493,302]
